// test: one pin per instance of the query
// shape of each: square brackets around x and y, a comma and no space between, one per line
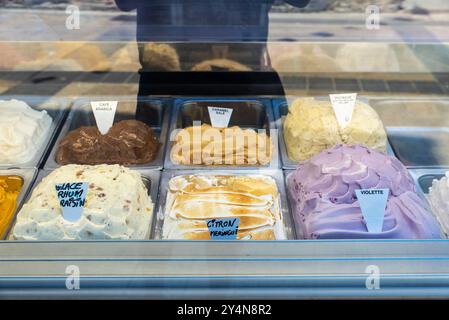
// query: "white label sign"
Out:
[72,198]
[343,105]
[104,113]
[372,203]
[219,117]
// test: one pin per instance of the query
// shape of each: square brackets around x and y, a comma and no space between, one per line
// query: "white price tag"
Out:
[72,198]
[219,117]
[104,113]
[343,105]
[373,203]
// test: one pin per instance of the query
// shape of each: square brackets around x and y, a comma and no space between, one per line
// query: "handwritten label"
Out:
[343,105]
[104,113]
[219,117]
[72,198]
[372,203]
[223,229]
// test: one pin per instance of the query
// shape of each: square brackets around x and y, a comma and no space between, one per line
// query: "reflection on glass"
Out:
[214,31]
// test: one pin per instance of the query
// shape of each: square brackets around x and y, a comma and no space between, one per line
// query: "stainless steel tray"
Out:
[275,174]
[28,175]
[150,178]
[420,147]
[424,178]
[422,185]
[56,108]
[247,113]
[418,130]
[280,112]
[82,115]
[298,229]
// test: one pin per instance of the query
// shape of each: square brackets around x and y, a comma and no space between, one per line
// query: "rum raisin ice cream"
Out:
[117,206]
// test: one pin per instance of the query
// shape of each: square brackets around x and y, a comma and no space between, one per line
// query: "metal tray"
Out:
[28,175]
[57,109]
[420,147]
[247,113]
[423,179]
[150,178]
[418,130]
[157,117]
[422,185]
[280,107]
[273,173]
[298,228]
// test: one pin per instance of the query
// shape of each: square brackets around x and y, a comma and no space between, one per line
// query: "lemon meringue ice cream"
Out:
[117,206]
[23,131]
[194,199]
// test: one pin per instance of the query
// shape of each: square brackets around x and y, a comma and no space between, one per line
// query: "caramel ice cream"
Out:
[194,199]
[221,146]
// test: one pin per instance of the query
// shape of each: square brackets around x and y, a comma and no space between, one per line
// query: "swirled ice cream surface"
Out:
[326,207]
[439,200]
[193,199]
[23,131]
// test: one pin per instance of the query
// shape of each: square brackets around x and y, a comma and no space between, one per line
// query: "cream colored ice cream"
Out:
[117,206]
[311,127]
[193,199]
[23,131]
[221,146]
[439,200]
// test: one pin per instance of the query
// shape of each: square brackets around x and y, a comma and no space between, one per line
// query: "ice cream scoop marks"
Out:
[203,144]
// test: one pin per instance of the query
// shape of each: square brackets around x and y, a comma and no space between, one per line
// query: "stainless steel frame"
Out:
[180,269]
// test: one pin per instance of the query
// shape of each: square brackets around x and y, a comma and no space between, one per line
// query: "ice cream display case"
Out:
[301,233]
[277,150]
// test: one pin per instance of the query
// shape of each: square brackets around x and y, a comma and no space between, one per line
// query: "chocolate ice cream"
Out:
[127,142]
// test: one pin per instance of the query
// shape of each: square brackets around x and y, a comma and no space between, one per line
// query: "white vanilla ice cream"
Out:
[117,206]
[439,200]
[23,131]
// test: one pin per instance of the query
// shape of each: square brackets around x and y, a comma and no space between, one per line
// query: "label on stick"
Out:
[223,229]
[104,113]
[343,105]
[219,117]
[72,198]
[372,203]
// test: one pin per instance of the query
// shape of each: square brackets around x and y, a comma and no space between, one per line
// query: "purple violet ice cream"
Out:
[325,205]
